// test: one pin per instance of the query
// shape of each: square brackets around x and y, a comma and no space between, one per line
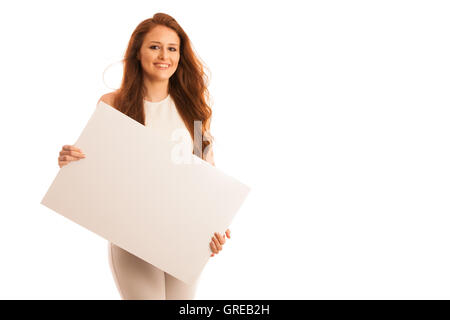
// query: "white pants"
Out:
[136,279]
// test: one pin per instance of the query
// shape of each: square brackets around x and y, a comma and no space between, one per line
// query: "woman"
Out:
[163,86]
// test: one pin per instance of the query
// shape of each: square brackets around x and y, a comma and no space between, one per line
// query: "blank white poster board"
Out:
[129,191]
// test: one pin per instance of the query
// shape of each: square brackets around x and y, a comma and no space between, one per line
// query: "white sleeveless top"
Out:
[164,117]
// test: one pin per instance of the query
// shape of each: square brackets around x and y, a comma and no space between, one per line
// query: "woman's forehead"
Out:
[163,35]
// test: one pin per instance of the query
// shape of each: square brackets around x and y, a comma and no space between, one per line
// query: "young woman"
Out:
[163,86]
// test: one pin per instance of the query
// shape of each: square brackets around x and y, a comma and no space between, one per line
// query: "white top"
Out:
[164,117]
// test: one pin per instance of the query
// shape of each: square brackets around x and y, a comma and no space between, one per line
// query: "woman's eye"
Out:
[151,47]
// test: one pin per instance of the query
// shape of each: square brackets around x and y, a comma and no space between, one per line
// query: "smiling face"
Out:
[160,46]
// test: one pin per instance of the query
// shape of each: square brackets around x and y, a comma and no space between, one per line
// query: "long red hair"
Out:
[187,86]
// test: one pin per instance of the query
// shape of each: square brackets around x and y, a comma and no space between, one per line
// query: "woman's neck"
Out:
[156,90]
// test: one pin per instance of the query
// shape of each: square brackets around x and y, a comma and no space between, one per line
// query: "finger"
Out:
[63,163]
[73,154]
[220,238]
[70,147]
[212,255]
[68,158]
[65,157]
[228,233]
[216,242]
[213,247]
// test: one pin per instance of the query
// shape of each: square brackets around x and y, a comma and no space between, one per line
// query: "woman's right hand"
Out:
[69,153]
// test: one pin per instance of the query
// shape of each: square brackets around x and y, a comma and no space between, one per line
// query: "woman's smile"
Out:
[162,66]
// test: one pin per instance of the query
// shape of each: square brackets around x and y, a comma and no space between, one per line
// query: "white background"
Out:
[335,113]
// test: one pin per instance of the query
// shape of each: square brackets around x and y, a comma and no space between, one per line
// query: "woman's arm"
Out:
[210,153]
[210,156]
[218,240]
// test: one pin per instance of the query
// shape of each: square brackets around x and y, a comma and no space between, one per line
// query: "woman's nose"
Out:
[162,54]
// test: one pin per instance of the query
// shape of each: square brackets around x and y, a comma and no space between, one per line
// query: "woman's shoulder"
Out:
[108,98]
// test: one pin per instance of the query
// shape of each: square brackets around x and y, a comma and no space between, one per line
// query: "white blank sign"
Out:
[129,191]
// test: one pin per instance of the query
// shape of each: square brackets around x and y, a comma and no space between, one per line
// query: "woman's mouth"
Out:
[161,66]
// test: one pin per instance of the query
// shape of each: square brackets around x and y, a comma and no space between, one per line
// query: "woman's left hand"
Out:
[217,241]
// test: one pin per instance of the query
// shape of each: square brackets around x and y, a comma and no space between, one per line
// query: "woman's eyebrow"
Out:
[169,43]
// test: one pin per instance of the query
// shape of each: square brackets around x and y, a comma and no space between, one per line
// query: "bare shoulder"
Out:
[108,98]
